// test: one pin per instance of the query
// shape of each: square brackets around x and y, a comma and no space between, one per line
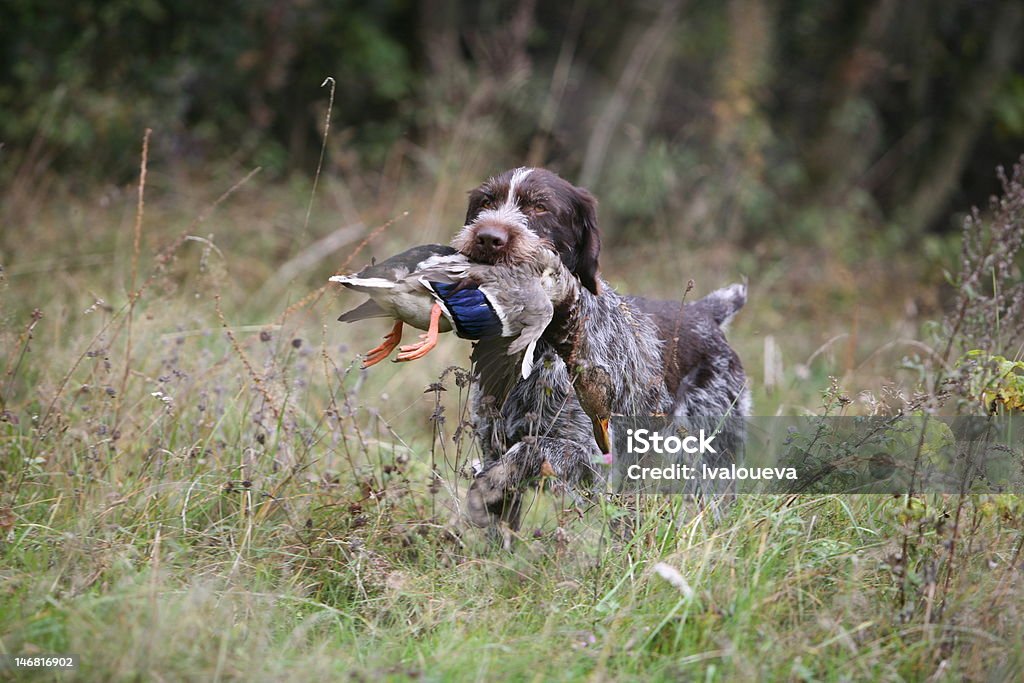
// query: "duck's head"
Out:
[595,389]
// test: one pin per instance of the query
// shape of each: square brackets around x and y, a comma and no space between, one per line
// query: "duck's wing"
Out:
[450,269]
[467,307]
[367,309]
[386,275]
[534,319]
[400,265]
[495,371]
[366,285]
[521,303]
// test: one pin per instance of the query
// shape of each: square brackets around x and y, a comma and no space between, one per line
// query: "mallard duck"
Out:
[396,291]
[434,288]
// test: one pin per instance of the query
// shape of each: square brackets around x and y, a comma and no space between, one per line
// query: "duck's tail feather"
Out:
[366,285]
[367,309]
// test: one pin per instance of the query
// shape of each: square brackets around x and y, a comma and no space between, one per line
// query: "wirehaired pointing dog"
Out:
[652,357]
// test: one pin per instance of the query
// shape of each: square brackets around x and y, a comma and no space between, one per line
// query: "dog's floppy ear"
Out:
[589,255]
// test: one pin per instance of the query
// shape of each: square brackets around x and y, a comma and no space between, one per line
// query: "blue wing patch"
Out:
[470,311]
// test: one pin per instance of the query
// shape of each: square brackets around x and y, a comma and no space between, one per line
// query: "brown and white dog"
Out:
[662,357]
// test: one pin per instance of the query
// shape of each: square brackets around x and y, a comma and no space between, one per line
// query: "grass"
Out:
[227,496]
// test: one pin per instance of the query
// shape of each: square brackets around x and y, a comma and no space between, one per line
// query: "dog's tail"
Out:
[722,304]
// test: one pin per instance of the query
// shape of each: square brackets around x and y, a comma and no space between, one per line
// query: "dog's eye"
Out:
[487,203]
[540,208]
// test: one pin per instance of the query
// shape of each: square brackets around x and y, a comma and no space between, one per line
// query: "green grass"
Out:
[254,507]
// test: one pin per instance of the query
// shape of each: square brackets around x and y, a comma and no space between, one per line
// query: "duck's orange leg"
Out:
[379,353]
[420,349]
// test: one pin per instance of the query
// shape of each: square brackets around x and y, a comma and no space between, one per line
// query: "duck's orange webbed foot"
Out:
[420,349]
[391,340]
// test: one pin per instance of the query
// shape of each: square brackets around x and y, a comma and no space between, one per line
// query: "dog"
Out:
[661,357]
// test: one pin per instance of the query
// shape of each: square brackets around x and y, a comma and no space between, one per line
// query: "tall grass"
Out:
[200,484]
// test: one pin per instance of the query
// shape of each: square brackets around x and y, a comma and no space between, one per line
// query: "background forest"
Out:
[197,481]
[736,119]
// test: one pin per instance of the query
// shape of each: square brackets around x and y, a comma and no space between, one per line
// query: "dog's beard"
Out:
[523,246]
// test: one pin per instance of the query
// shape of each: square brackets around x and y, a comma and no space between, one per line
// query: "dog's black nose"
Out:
[491,239]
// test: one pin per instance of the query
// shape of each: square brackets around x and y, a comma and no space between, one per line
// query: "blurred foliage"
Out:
[238,77]
[996,382]
[731,119]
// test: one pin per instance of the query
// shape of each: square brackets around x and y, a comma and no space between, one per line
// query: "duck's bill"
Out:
[603,435]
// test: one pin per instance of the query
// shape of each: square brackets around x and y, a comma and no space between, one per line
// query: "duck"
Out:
[437,289]
[397,291]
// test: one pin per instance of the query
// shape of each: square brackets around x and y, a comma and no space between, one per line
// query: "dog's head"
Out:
[557,212]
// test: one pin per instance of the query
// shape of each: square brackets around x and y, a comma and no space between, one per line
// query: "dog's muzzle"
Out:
[490,240]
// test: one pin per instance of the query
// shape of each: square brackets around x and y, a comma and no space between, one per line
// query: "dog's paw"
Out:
[485,498]
[492,498]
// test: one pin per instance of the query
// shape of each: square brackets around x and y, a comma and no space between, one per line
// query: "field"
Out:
[199,483]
